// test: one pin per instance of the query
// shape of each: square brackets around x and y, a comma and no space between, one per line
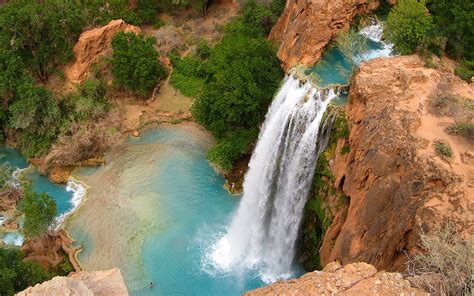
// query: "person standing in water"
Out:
[151,285]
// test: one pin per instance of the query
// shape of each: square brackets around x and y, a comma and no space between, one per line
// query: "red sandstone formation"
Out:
[397,183]
[93,45]
[49,249]
[352,279]
[307,26]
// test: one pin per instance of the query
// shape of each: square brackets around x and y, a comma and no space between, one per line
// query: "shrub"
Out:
[445,266]
[407,25]
[5,175]
[188,75]
[443,149]
[135,64]
[230,148]
[17,275]
[258,16]
[87,102]
[277,7]
[39,210]
[465,70]
[36,117]
[463,129]
[203,51]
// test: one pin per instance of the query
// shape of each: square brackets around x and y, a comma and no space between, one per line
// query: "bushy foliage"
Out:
[352,45]
[41,34]
[443,149]
[454,19]
[88,102]
[258,16]
[35,115]
[231,147]
[135,64]
[40,210]
[17,275]
[243,75]
[407,26]
[233,84]
[5,175]
[465,70]
[445,264]
[277,7]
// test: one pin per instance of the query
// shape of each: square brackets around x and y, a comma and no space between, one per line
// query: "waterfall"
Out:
[374,32]
[265,227]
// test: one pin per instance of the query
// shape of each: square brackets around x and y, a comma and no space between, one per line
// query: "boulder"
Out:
[93,45]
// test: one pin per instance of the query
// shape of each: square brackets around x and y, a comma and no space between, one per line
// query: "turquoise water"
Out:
[38,183]
[334,69]
[154,211]
[195,207]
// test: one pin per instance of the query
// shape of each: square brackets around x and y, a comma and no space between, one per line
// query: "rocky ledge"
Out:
[408,163]
[334,279]
[103,283]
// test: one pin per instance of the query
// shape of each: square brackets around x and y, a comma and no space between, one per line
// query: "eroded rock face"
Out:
[352,279]
[307,26]
[103,283]
[93,45]
[396,181]
[49,250]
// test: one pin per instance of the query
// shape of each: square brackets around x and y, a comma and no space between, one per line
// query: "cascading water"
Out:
[264,230]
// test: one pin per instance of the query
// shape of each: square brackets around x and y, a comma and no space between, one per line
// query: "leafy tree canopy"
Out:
[407,25]
[17,275]
[40,210]
[135,64]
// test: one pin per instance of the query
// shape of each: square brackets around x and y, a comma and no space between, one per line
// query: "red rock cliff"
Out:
[307,26]
[396,180]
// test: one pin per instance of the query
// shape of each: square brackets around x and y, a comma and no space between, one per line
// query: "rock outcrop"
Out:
[397,182]
[334,279]
[306,27]
[50,249]
[103,283]
[93,45]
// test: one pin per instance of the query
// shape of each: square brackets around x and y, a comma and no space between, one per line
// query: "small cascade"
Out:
[374,32]
[264,230]
[79,190]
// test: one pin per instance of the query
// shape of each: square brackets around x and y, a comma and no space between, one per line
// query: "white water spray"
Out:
[264,230]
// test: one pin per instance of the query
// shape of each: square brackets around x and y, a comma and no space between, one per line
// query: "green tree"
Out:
[454,19]
[407,25]
[135,64]
[16,275]
[39,210]
[42,34]
[36,116]
[352,45]
[243,75]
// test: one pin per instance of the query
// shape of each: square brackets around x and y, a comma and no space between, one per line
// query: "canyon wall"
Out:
[394,180]
[306,27]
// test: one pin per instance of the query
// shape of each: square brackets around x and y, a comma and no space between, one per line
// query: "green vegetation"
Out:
[17,275]
[462,129]
[435,27]
[39,210]
[135,64]
[407,25]
[465,70]
[352,45]
[443,149]
[233,84]
[444,265]
[5,175]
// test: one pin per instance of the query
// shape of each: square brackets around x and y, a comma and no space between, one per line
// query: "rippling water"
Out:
[155,211]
